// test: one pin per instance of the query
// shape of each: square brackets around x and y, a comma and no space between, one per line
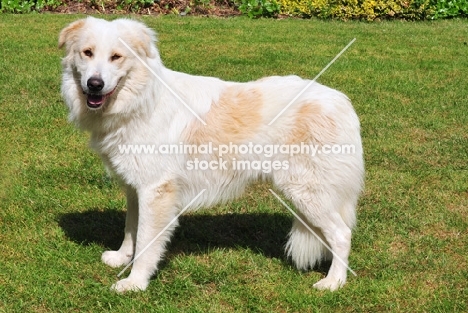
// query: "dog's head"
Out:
[105,62]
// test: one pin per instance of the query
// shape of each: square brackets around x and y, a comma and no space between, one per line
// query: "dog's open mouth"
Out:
[95,101]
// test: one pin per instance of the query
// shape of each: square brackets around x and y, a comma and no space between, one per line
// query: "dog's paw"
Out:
[115,258]
[129,284]
[328,283]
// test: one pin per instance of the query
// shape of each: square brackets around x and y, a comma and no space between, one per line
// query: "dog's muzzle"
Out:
[95,98]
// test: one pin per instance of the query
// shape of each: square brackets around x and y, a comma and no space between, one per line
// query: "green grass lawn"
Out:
[409,85]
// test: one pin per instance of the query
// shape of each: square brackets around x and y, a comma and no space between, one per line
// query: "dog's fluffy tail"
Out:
[304,247]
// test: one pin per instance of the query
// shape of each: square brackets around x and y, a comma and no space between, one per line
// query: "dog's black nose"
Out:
[95,84]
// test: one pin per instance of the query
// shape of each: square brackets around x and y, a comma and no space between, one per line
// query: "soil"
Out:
[220,8]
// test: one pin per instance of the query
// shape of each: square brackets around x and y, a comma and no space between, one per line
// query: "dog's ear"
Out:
[138,36]
[70,34]
[149,41]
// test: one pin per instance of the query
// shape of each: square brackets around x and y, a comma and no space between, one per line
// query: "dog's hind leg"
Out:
[124,255]
[157,209]
[327,234]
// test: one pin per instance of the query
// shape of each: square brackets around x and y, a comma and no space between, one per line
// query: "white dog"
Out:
[117,88]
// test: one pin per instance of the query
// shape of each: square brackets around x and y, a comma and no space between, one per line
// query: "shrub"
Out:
[450,8]
[358,9]
[306,8]
[17,6]
[133,5]
[257,8]
[27,6]
[337,9]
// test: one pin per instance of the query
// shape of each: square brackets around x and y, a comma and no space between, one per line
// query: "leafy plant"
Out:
[259,8]
[450,8]
[17,6]
[27,6]
[41,4]
[134,5]
[361,9]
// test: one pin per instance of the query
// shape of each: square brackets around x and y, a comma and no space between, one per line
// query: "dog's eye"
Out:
[88,53]
[115,57]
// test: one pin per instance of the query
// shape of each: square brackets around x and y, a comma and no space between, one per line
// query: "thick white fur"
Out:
[323,188]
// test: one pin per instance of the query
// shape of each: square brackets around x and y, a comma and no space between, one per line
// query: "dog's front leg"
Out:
[157,210]
[124,255]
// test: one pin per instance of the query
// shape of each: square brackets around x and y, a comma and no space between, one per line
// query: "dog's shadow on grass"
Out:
[264,233]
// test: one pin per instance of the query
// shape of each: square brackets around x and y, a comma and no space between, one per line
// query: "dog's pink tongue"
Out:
[95,100]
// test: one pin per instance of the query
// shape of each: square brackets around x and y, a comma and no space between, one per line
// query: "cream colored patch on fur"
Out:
[140,44]
[312,126]
[165,196]
[235,118]
[166,188]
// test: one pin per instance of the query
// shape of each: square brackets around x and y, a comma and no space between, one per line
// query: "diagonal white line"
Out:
[161,232]
[162,81]
[310,229]
[312,81]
